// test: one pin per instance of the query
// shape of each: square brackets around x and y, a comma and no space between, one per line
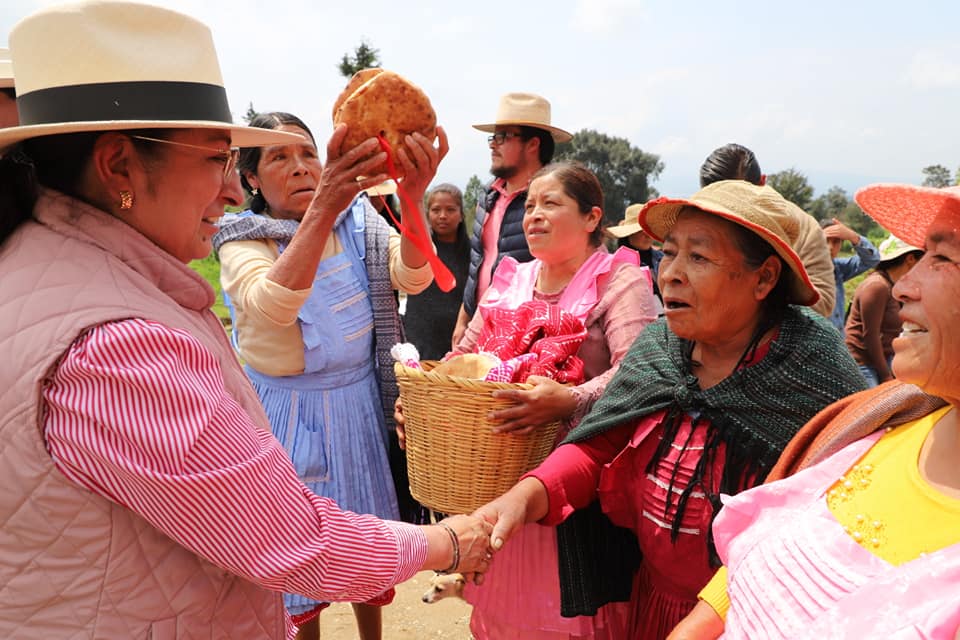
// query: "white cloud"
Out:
[932,69]
[674,145]
[601,17]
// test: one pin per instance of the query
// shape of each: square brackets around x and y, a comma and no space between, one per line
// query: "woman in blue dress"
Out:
[309,273]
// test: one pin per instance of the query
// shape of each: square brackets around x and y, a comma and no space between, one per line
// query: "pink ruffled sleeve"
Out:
[626,306]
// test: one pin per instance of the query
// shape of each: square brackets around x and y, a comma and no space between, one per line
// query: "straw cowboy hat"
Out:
[102,66]
[525,110]
[759,209]
[630,223]
[906,210]
[6,69]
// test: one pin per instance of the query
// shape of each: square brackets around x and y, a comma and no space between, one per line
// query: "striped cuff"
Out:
[412,547]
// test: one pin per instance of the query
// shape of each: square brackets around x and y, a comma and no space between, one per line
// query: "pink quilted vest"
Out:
[75,565]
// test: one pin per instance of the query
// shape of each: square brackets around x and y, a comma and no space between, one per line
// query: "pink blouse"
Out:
[615,309]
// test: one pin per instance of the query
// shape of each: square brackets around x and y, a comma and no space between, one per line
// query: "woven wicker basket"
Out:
[455,462]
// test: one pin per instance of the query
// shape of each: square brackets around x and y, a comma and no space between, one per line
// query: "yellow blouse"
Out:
[884,504]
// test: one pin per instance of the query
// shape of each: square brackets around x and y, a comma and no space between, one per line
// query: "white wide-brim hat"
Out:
[525,110]
[893,247]
[104,66]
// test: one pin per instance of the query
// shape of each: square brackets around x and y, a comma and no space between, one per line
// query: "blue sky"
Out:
[847,92]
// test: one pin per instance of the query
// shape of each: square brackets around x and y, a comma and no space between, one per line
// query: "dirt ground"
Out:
[407,618]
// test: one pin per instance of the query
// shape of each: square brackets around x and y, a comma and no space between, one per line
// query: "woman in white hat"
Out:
[145,496]
[870,488]
[874,319]
[702,404]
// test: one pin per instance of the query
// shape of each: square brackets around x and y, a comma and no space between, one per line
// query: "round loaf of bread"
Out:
[468,365]
[385,104]
[358,79]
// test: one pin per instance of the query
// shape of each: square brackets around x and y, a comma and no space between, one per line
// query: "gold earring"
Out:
[126,200]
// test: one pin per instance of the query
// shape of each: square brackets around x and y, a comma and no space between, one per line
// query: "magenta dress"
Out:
[611,467]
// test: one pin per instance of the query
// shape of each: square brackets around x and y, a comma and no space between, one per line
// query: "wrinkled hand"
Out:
[338,184]
[473,536]
[840,231]
[525,502]
[401,424]
[419,161]
[547,401]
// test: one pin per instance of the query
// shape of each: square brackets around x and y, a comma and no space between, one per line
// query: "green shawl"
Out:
[754,412]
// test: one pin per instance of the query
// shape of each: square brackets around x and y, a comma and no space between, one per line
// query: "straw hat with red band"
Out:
[107,66]
[759,209]
[907,211]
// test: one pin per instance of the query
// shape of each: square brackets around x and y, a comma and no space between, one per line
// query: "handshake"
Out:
[466,544]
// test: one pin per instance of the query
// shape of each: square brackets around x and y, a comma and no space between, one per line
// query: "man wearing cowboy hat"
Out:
[8,95]
[521,142]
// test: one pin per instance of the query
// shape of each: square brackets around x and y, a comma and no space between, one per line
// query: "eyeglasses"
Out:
[229,156]
[501,136]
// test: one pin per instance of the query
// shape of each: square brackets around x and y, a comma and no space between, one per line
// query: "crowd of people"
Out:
[740,452]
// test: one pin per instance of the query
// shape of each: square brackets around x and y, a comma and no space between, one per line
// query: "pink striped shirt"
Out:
[137,413]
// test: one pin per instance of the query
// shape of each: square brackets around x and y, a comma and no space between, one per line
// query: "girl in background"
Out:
[431,315]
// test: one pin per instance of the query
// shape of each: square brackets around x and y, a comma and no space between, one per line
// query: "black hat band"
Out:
[136,101]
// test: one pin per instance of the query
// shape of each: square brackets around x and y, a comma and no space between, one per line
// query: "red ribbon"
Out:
[417,231]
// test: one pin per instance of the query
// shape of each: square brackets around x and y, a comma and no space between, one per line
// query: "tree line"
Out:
[626,171]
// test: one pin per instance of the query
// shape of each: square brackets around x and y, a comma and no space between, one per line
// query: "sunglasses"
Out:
[229,156]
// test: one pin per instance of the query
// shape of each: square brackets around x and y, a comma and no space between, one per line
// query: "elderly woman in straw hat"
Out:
[145,496]
[629,233]
[702,404]
[735,162]
[870,487]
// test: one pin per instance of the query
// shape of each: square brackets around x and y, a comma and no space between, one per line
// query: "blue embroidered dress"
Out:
[330,418]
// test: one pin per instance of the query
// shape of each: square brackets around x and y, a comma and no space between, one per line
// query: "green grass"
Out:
[851,285]
[209,268]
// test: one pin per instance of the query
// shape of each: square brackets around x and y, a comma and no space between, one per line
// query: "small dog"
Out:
[444,586]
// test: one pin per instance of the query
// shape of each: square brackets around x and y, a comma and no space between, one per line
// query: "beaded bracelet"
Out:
[455,541]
